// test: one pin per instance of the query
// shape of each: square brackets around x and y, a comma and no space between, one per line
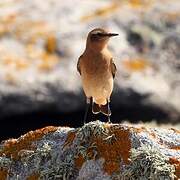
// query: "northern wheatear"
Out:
[97,71]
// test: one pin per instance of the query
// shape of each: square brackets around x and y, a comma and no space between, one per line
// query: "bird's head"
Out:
[98,38]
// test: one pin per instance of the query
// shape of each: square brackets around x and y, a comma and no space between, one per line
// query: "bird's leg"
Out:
[88,106]
[109,111]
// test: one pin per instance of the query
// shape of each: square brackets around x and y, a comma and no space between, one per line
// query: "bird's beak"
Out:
[112,34]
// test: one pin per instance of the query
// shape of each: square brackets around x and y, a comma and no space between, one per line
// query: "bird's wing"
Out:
[78,65]
[113,68]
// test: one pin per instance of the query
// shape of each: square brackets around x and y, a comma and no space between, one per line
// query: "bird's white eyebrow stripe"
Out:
[96,32]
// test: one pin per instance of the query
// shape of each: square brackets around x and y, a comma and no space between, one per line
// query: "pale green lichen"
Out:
[65,168]
[148,163]
[85,173]
[50,163]
[46,160]
[5,162]
[51,160]
[55,166]
[93,129]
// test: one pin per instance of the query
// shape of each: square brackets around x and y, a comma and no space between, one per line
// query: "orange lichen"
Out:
[111,167]
[12,147]
[175,130]
[70,138]
[79,161]
[139,129]
[21,65]
[32,29]
[3,174]
[153,135]
[101,12]
[113,151]
[9,19]
[134,65]
[175,147]
[171,16]
[140,3]
[118,149]
[176,163]
[48,62]
[33,52]
[143,129]
[5,23]
[17,63]
[34,176]
[51,44]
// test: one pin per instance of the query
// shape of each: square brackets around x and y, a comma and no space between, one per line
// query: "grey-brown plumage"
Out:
[97,70]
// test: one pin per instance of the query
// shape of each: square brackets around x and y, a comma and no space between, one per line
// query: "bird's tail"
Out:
[96,108]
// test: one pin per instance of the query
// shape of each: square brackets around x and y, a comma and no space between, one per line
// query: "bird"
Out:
[97,70]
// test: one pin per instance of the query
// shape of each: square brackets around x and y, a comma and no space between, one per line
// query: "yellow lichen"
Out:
[17,63]
[140,3]
[27,30]
[6,22]
[101,12]
[33,30]
[12,147]
[51,44]
[135,65]
[33,52]
[48,62]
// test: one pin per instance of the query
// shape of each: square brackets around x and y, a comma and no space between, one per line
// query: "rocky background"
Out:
[40,42]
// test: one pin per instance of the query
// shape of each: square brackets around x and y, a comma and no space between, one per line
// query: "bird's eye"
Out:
[99,34]
[96,36]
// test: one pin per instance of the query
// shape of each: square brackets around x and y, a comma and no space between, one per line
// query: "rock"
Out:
[93,152]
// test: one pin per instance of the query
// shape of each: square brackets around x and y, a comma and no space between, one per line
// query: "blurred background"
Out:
[40,42]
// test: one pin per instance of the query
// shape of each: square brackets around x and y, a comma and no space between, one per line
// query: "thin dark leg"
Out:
[109,112]
[88,106]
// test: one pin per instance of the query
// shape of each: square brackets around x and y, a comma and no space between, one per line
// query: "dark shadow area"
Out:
[13,127]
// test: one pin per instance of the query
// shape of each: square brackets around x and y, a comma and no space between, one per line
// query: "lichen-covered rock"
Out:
[93,152]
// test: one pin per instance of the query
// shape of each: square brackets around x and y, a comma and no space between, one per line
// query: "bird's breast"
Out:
[96,66]
[97,78]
